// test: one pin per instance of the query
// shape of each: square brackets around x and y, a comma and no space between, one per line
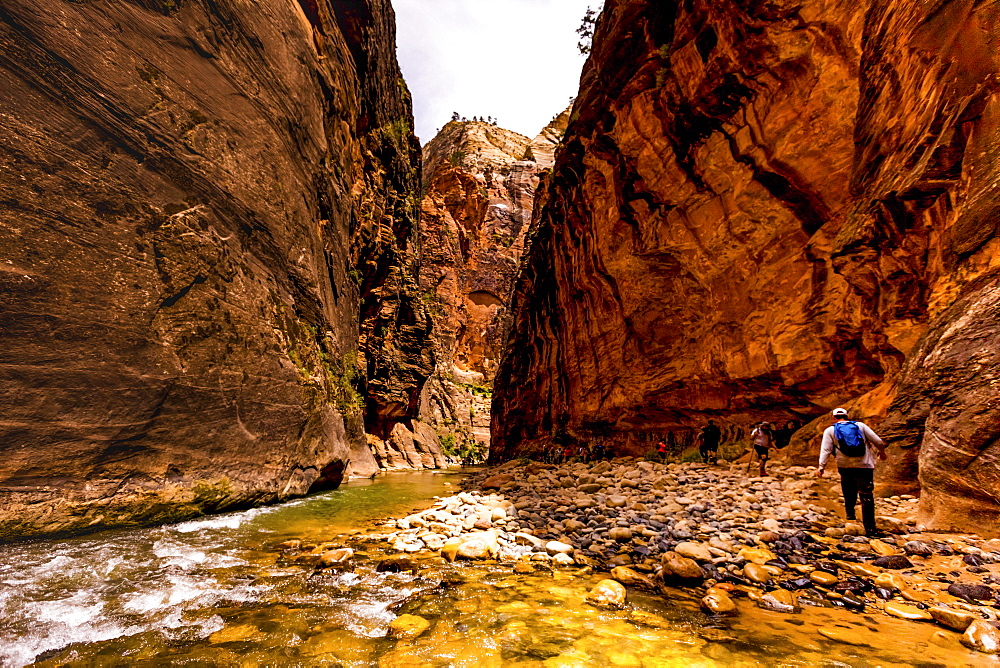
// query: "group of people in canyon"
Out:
[853,445]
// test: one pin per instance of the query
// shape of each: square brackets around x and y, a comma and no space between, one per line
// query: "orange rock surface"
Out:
[765,211]
[479,182]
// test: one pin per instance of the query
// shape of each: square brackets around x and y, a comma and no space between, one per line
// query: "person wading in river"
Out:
[853,443]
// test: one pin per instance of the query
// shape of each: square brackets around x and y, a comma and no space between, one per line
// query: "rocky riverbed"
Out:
[737,543]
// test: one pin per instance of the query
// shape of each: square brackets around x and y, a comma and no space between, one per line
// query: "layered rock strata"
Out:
[480,182]
[761,212]
[201,209]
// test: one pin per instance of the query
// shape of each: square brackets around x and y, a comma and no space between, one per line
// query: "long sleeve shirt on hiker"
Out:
[866,462]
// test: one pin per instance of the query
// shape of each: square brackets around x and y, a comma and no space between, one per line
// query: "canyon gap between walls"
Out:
[763,211]
[207,259]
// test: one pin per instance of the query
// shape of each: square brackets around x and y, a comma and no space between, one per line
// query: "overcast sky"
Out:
[515,60]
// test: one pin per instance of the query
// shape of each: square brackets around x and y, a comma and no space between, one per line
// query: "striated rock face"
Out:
[201,207]
[479,184]
[764,211]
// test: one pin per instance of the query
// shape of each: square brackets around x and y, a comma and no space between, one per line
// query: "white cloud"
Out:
[515,60]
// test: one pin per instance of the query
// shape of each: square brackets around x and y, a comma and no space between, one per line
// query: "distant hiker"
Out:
[763,442]
[853,442]
[662,451]
[567,454]
[599,453]
[710,437]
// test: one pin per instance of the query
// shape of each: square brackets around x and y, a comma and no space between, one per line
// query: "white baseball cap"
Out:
[840,411]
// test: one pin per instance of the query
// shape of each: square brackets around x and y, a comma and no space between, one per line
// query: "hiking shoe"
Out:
[875,533]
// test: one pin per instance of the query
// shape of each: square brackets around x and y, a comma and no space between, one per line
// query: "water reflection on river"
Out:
[216,591]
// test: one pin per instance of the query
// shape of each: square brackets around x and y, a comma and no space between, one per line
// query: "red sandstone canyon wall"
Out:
[207,275]
[480,182]
[763,211]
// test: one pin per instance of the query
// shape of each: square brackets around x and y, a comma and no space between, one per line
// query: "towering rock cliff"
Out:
[764,210]
[479,184]
[207,263]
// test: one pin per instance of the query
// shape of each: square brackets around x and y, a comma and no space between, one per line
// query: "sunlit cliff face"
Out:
[764,213]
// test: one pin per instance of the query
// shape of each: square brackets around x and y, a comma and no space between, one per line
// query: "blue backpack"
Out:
[850,440]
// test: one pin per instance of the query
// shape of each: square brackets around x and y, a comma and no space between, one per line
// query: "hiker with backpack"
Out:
[763,442]
[852,441]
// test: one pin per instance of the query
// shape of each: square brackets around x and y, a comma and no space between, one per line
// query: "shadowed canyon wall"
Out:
[207,255]
[765,210]
[479,189]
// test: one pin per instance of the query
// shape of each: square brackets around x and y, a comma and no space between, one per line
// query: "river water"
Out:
[217,591]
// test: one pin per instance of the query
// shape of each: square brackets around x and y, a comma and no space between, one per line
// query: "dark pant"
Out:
[859,483]
[709,452]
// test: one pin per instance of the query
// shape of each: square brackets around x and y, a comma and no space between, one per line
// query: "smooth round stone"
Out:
[632,578]
[616,502]
[620,534]
[717,602]
[882,549]
[971,591]
[607,594]
[904,611]
[695,551]
[958,620]
[407,627]
[758,555]
[823,578]
[756,573]
[896,562]
[918,548]
[982,637]
[674,565]
[554,547]
[563,559]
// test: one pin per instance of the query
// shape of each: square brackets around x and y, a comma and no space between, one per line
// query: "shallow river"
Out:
[218,592]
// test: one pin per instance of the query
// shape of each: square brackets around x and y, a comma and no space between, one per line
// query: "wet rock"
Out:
[971,592]
[407,627]
[524,567]
[780,600]
[904,611]
[757,555]
[896,562]
[290,545]
[982,637]
[632,578]
[562,559]
[823,578]
[718,602]
[554,547]
[336,559]
[957,620]
[396,564]
[607,594]
[882,549]
[918,548]
[449,551]
[676,566]
[756,573]
[695,551]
